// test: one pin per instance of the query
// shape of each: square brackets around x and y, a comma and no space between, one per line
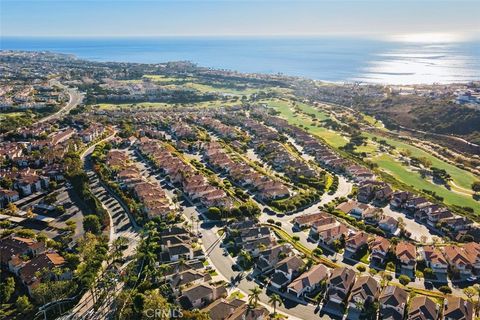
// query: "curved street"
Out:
[76,98]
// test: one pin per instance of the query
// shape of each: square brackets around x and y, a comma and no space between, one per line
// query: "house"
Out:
[45,261]
[374,190]
[201,295]
[455,308]
[245,312]
[328,234]
[348,206]
[339,284]
[399,198]
[180,251]
[379,248]
[422,308]
[17,246]
[221,309]
[356,241]
[256,246]
[383,194]
[416,203]
[372,215]
[306,220]
[358,210]
[28,184]
[365,290]
[406,253]
[7,196]
[458,259]
[309,281]
[188,277]
[472,249]
[392,302]
[434,259]
[267,259]
[286,270]
[388,224]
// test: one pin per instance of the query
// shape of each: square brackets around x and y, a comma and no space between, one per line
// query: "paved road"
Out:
[122,226]
[223,265]
[75,99]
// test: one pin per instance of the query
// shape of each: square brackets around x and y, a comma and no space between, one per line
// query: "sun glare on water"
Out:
[429,38]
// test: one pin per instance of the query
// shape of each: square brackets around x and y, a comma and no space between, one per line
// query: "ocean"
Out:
[335,59]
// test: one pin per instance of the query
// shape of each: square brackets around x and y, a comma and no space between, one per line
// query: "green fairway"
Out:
[461,177]
[160,78]
[4,116]
[331,137]
[385,162]
[205,104]
[401,173]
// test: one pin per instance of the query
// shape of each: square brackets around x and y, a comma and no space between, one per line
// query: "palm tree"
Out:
[253,296]
[274,301]
[478,301]
[359,305]
[246,257]
[163,269]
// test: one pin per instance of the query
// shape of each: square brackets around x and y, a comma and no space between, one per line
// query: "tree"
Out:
[390,266]
[253,296]
[246,257]
[12,208]
[214,212]
[23,305]
[359,305]
[470,292]
[274,301]
[361,268]
[445,289]
[404,280]
[476,186]
[7,288]
[154,300]
[91,223]
[477,287]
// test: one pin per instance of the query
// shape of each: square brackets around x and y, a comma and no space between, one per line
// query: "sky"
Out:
[133,18]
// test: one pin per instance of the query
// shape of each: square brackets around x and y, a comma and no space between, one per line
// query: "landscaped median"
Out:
[282,234]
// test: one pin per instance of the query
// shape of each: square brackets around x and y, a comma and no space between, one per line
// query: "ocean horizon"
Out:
[333,59]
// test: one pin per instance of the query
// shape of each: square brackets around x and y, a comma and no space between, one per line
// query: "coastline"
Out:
[336,60]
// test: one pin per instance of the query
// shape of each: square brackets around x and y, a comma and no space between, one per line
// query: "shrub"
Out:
[271,221]
[391,266]
[278,223]
[361,268]
[445,289]
[91,223]
[404,280]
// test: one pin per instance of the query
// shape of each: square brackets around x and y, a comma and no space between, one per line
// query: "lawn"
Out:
[461,177]
[4,116]
[236,295]
[401,173]
[160,78]
[205,104]
[374,122]
[207,88]
[332,138]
